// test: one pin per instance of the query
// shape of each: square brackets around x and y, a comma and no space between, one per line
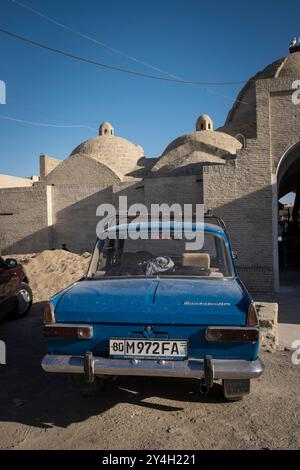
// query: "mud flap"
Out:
[236,388]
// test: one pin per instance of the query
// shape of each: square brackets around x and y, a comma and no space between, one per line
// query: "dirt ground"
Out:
[40,411]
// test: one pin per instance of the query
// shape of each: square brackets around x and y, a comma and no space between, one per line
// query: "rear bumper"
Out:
[192,368]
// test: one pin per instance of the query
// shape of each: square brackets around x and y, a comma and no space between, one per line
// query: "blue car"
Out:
[156,306]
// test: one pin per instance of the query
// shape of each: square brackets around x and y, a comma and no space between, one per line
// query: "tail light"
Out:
[252,318]
[49,316]
[68,330]
[229,333]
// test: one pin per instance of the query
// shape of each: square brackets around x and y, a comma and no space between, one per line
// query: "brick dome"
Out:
[119,154]
[241,118]
[186,154]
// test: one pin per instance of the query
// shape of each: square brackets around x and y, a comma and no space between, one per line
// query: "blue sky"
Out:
[192,39]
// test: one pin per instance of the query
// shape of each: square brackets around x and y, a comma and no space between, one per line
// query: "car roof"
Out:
[173,225]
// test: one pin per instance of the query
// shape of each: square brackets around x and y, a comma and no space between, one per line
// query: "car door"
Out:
[9,284]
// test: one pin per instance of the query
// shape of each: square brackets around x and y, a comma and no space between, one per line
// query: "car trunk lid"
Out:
[166,301]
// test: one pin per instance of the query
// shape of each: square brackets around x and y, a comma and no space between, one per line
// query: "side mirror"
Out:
[234,255]
[11,263]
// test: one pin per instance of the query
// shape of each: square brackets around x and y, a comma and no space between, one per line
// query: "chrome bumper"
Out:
[192,368]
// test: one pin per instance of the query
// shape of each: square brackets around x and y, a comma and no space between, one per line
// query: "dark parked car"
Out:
[15,293]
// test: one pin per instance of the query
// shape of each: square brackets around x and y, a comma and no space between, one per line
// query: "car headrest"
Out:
[197,260]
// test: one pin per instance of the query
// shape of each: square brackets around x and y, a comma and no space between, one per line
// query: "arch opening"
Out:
[288,217]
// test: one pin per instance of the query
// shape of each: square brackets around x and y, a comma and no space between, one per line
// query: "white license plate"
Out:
[147,348]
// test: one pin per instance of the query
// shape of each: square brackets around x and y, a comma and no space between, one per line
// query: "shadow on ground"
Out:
[30,396]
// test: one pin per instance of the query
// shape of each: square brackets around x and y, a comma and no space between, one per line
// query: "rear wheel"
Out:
[24,302]
[234,390]
[86,389]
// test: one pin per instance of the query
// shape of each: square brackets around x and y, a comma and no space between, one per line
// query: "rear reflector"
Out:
[216,333]
[68,330]
[252,319]
[49,316]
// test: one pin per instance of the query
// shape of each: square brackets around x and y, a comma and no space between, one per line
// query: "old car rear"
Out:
[151,307]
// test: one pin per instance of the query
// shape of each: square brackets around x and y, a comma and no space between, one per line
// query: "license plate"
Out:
[147,348]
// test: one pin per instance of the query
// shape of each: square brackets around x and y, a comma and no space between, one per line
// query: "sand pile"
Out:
[52,270]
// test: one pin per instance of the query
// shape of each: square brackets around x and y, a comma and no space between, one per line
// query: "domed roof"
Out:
[186,154]
[117,153]
[214,138]
[242,116]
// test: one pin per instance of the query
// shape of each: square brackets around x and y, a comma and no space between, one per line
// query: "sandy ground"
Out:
[40,411]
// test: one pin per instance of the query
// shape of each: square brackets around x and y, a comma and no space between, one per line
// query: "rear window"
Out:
[165,256]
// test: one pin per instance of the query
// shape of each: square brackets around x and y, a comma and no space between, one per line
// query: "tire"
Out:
[237,398]
[235,390]
[24,302]
[86,389]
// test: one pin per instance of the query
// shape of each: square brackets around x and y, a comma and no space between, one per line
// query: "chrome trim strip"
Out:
[69,325]
[192,368]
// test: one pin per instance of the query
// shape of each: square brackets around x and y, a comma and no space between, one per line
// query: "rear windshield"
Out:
[161,257]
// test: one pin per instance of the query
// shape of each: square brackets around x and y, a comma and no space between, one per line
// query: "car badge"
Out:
[206,304]
[148,331]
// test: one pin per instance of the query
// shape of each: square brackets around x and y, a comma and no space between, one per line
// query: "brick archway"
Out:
[286,225]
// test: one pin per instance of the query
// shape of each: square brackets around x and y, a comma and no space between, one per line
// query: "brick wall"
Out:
[47,164]
[241,194]
[74,215]
[175,189]
[24,227]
